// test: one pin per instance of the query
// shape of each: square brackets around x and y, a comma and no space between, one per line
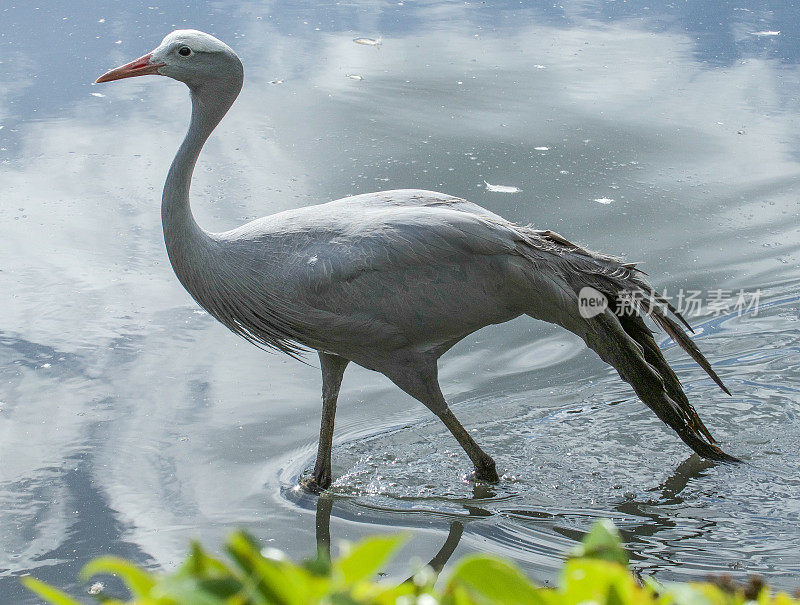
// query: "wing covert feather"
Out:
[388,242]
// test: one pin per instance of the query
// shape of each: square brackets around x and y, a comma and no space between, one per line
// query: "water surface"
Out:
[131,422]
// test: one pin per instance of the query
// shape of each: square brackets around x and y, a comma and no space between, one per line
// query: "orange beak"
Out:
[140,67]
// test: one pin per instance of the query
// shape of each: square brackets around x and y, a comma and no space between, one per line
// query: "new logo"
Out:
[591,302]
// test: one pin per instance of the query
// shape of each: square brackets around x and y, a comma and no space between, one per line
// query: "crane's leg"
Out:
[484,464]
[422,383]
[333,368]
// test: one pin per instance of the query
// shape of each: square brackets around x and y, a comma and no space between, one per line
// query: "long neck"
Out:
[184,238]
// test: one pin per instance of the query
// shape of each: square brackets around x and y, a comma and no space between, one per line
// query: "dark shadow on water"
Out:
[94,530]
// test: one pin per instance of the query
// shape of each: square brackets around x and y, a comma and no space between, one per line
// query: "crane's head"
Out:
[187,55]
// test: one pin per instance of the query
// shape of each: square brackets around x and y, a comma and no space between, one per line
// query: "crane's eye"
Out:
[184,51]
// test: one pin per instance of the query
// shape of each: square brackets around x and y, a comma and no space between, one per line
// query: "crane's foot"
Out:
[318,482]
[486,471]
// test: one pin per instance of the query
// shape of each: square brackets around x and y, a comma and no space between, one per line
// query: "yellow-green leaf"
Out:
[365,558]
[602,542]
[489,580]
[47,592]
[598,580]
[137,580]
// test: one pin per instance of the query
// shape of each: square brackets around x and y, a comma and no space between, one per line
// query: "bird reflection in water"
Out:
[323,534]
[640,517]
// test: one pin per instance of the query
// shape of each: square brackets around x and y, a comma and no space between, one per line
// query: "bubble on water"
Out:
[270,552]
[368,41]
[502,188]
[96,588]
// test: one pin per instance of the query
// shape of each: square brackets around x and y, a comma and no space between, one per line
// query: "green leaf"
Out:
[137,580]
[319,565]
[262,577]
[366,557]
[382,595]
[489,580]
[602,542]
[47,592]
[276,581]
[221,587]
[200,564]
[600,581]
[613,597]
[342,598]
[184,589]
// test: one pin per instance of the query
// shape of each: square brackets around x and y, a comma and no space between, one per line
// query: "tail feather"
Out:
[626,342]
[641,334]
[660,300]
[687,344]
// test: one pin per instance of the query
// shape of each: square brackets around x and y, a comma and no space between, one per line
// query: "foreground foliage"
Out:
[597,573]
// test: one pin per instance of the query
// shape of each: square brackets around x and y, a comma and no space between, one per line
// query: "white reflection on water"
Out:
[182,429]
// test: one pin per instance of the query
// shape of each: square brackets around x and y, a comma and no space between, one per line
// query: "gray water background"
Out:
[131,422]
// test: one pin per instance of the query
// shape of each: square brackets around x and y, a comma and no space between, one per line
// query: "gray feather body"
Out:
[369,276]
